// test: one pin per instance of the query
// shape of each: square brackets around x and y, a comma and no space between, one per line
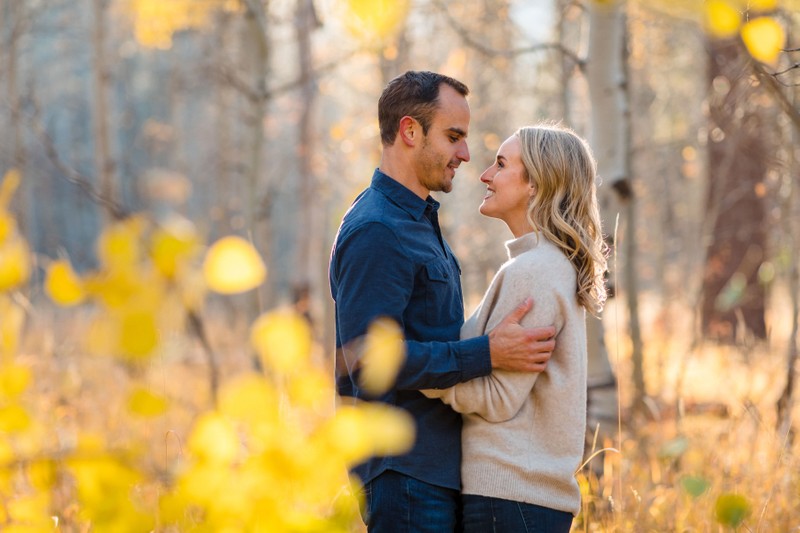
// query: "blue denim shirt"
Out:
[389,259]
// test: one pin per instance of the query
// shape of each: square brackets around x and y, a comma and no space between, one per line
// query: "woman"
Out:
[523,433]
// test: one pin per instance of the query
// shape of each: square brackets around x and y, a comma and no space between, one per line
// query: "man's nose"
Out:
[463,153]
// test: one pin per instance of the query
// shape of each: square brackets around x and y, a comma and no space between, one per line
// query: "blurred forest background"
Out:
[258,118]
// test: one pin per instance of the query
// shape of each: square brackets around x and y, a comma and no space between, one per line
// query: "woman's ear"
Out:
[409,130]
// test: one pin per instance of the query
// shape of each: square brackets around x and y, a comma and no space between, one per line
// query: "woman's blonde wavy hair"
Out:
[560,167]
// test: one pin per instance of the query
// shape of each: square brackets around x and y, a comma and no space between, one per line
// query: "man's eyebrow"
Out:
[458,131]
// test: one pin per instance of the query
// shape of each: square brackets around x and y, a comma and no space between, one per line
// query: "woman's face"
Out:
[508,192]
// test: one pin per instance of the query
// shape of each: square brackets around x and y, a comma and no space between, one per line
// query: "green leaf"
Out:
[732,509]
[695,485]
[674,448]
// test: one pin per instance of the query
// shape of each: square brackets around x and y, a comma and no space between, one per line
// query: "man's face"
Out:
[445,146]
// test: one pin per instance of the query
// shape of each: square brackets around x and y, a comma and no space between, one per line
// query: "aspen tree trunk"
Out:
[307,277]
[103,165]
[609,137]
[733,299]
[14,10]
[790,207]
[256,46]
[223,107]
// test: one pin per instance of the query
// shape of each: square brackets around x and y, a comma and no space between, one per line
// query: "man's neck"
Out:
[399,170]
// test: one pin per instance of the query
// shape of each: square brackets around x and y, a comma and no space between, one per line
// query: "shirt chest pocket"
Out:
[442,294]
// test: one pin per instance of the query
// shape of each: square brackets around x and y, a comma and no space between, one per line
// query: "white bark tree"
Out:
[609,136]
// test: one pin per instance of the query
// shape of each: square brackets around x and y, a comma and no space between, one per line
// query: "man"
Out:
[390,260]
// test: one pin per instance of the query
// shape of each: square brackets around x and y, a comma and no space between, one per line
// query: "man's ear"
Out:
[409,130]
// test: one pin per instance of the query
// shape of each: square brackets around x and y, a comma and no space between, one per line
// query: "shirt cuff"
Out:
[475,358]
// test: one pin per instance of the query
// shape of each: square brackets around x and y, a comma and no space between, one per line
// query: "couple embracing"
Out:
[499,400]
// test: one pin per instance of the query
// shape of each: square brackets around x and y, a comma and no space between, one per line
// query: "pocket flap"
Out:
[438,271]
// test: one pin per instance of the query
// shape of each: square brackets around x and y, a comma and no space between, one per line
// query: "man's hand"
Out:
[519,349]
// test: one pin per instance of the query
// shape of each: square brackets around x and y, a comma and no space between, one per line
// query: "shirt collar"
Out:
[402,196]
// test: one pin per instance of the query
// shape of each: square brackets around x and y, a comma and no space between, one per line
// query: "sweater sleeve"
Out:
[499,396]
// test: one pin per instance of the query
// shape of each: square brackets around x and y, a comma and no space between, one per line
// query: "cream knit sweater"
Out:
[523,433]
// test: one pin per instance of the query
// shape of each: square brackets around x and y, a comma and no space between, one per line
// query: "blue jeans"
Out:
[396,503]
[494,515]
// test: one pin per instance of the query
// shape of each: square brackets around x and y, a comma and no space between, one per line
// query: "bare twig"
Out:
[796,65]
[511,52]
[117,211]
[197,327]
[774,88]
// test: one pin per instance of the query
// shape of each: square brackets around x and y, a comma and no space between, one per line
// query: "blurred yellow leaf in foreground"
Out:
[764,38]
[283,340]
[232,265]
[14,379]
[722,19]
[214,439]
[62,285]
[384,353]
[15,263]
[146,404]
[172,246]
[13,318]
[375,19]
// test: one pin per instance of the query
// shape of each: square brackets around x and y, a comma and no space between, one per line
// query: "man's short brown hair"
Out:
[416,94]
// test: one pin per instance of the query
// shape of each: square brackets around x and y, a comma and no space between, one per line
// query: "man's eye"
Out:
[453,139]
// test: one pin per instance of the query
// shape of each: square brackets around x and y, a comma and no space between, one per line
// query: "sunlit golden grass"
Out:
[716,437]
[706,455]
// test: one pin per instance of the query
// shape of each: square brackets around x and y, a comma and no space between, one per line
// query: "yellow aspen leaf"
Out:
[347,433]
[14,418]
[6,452]
[43,474]
[13,318]
[384,353]
[14,380]
[119,245]
[283,340]
[214,439]
[62,285]
[146,404]
[722,18]
[232,265]
[392,430]
[8,226]
[172,247]
[248,398]
[10,183]
[764,38]
[312,389]
[376,19]
[138,333]
[731,509]
[15,263]
[31,510]
[762,5]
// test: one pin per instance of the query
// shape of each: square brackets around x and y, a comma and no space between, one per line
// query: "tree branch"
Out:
[512,52]
[774,87]
[117,211]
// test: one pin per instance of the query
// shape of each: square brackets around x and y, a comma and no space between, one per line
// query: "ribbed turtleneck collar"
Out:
[522,244]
